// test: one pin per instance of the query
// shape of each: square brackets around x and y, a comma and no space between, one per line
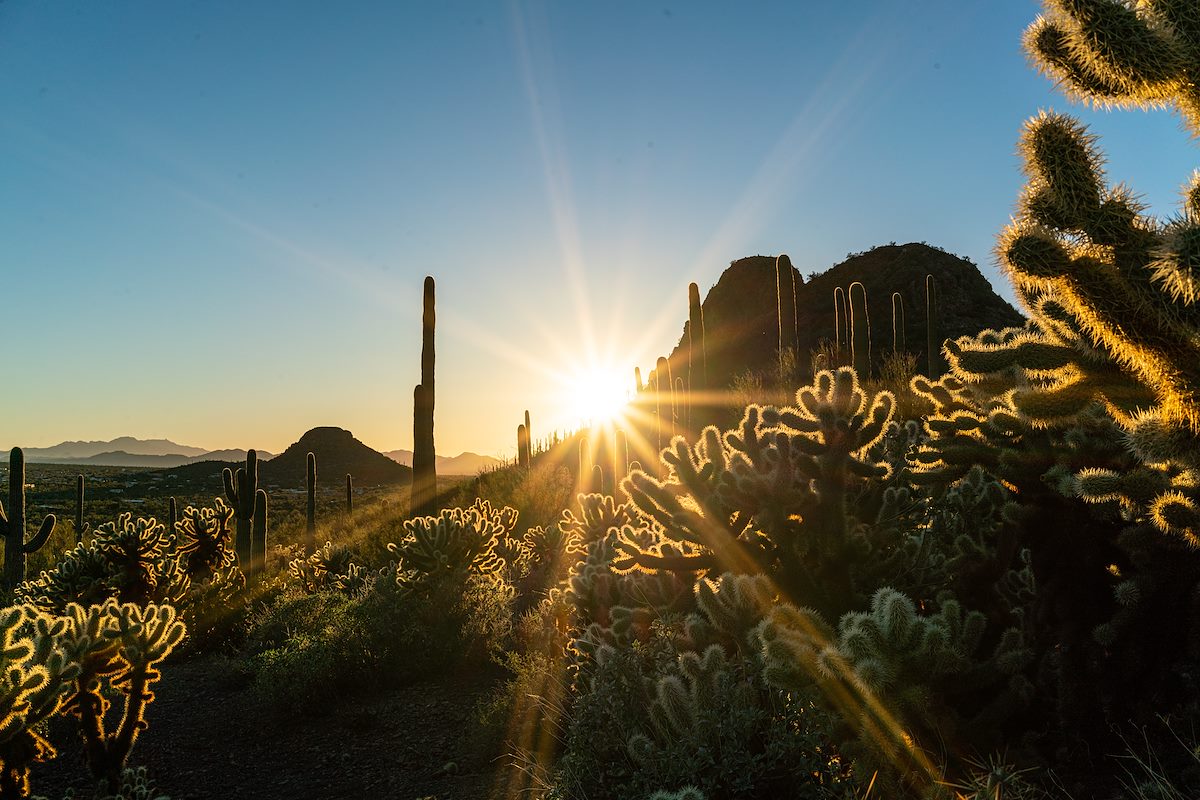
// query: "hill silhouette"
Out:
[741,311]
[338,453]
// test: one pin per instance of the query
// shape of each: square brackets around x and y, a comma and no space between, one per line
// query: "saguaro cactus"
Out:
[12,525]
[310,523]
[933,350]
[529,433]
[620,457]
[260,530]
[860,334]
[80,526]
[523,459]
[697,357]
[841,319]
[785,289]
[424,486]
[349,495]
[665,389]
[899,336]
[637,379]
[241,490]
[172,516]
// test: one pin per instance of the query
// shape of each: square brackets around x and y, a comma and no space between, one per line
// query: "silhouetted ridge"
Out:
[338,453]
[741,317]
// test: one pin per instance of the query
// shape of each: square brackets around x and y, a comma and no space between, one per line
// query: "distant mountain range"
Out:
[461,464]
[126,451]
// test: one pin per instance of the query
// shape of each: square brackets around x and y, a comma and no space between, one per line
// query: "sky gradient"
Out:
[216,216]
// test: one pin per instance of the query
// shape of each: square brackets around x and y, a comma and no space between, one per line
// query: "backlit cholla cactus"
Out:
[38,678]
[77,664]
[118,648]
[331,568]
[203,541]
[1098,396]
[449,548]
[772,496]
[904,686]
[129,560]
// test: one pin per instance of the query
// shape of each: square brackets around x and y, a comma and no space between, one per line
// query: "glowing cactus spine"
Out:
[424,486]
[310,522]
[242,491]
[12,526]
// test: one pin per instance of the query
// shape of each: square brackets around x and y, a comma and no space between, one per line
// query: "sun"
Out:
[596,394]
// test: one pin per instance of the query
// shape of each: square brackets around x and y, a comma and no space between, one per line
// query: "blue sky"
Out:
[216,216]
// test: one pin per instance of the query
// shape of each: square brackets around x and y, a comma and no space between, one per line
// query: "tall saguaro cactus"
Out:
[310,522]
[841,319]
[933,350]
[785,289]
[349,495]
[241,490]
[12,525]
[529,433]
[260,530]
[424,486]
[697,358]
[523,459]
[899,335]
[860,333]
[80,528]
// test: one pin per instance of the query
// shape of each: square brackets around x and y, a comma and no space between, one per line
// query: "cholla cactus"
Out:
[901,682]
[770,496]
[330,569]
[127,560]
[38,677]
[118,649]
[203,540]
[450,547]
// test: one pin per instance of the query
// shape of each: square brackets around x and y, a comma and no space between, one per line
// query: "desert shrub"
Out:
[314,648]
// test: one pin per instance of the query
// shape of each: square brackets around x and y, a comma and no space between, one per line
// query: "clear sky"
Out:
[215,216]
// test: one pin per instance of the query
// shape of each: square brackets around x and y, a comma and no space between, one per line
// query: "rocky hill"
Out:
[338,453]
[741,311]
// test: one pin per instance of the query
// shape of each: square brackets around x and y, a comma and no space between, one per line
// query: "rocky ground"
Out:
[210,737]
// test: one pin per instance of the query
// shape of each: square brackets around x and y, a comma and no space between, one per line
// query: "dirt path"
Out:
[210,738]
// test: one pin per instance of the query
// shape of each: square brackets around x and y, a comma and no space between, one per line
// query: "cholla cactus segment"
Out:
[1111,268]
[1108,52]
[451,546]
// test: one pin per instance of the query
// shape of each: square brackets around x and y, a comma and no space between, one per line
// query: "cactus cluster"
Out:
[249,505]
[75,664]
